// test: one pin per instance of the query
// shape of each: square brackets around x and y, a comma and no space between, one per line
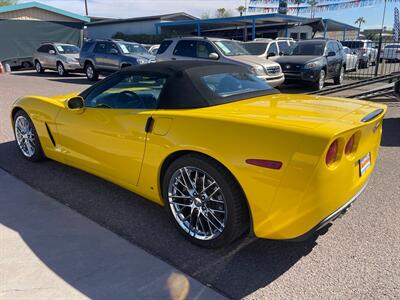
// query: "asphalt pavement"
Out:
[357,257]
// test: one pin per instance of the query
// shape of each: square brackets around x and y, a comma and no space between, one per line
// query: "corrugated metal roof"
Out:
[55,10]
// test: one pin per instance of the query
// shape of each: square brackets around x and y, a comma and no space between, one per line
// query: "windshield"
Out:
[353,44]
[132,48]
[309,48]
[232,84]
[231,48]
[67,49]
[255,48]
[393,46]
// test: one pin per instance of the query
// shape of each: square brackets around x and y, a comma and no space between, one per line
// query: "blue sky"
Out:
[134,8]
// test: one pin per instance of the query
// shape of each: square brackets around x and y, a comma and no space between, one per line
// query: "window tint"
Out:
[43,49]
[67,49]
[303,35]
[164,46]
[255,48]
[272,49]
[86,46]
[112,48]
[330,47]
[185,48]
[51,47]
[204,49]
[392,46]
[100,48]
[134,91]
[307,48]
[283,47]
[231,84]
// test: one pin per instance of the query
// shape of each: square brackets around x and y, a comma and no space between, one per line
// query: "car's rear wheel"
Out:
[61,69]
[204,201]
[91,72]
[26,136]
[339,79]
[38,67]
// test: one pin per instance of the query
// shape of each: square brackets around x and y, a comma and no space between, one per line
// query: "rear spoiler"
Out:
[372,115]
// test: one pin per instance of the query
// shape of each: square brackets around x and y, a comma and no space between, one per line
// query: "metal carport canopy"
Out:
[216,23]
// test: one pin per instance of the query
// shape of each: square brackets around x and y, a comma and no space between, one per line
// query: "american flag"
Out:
[396,26]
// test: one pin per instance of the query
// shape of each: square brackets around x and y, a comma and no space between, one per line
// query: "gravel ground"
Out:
[358,256]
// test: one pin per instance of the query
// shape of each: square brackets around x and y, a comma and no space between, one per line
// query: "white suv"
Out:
[221,50]
[267,48]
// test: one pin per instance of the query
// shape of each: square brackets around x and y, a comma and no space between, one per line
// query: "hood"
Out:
[296,59]
[253,60]
[296,111]
[147,56]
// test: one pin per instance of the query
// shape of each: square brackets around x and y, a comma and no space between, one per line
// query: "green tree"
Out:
[241,9]
[313,4]
[298,2]
[359,21]
[223,13]
[8,2]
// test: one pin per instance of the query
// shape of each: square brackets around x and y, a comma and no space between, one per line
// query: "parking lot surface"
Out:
[358,257]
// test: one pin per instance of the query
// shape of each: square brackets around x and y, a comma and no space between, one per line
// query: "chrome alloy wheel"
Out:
[25,136]
[38,67]
[321,80]
[89,72]
[60,70]
[197,203]
[341,76]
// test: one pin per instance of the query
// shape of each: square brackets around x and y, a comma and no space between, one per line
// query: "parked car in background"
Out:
[267,48]
[351,59]
[391,52]
[314,61]
[107,56]
[153,49]
[367,53]
[221,50]
[63,58]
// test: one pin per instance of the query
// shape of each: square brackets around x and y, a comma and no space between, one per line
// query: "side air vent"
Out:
[50,135]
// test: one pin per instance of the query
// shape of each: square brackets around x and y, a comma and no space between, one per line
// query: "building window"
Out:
[303,35]
[294,35]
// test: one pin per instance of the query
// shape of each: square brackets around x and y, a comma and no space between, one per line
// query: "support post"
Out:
[157,29]
[253,29]
[344,34]
[198,29]
[325,28]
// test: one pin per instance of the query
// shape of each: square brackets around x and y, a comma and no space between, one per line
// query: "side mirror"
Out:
[281,53]
[75,103]
[52,52]
[271,54]
[213,55]
[331,53]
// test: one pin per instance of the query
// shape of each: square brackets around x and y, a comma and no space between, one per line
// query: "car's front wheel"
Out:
[27,138]
[319,84]
[91,72]
[339,79]
[38,67]
[204,201]
[61,69]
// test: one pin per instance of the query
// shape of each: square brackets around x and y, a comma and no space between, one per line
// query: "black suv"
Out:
[314,61]
[107,56]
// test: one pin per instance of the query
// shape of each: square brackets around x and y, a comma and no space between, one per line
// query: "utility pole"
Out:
[245,22]
[86,8]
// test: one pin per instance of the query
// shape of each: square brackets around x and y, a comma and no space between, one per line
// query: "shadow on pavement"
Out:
[236,271]
[73,80]
[391,132]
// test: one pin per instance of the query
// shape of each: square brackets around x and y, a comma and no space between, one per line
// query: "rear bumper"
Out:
[332,217]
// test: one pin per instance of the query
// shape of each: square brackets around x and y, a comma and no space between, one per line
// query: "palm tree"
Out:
[8,2]
[221,12]
[298,2]
[313,4]
[241,9]
[359,21]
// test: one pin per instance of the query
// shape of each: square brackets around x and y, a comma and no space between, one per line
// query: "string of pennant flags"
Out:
[322,6]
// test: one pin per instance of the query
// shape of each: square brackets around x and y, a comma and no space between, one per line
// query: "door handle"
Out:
[149,124]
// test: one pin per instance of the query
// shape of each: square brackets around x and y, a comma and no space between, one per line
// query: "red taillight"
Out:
[350,145]
[270,164]
[331,155]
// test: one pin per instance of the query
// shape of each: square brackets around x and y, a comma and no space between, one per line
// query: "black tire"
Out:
[38,67]
[319,84]
[38,154]
[91,72]
[339,79]
[61,70]
[237,215]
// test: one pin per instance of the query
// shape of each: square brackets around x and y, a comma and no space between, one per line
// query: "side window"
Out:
[51,47]
[86,46]
[164,46]
[185,48]
[283,47]
[329,48]
[133,91]
[100,48]
[346,50]
[204,49]
[43,49]
[272,49]
[112,48]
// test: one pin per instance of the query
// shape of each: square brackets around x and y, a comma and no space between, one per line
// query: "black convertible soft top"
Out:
[184,87]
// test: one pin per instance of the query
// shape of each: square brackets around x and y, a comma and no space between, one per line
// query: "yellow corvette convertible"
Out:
[222,150]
